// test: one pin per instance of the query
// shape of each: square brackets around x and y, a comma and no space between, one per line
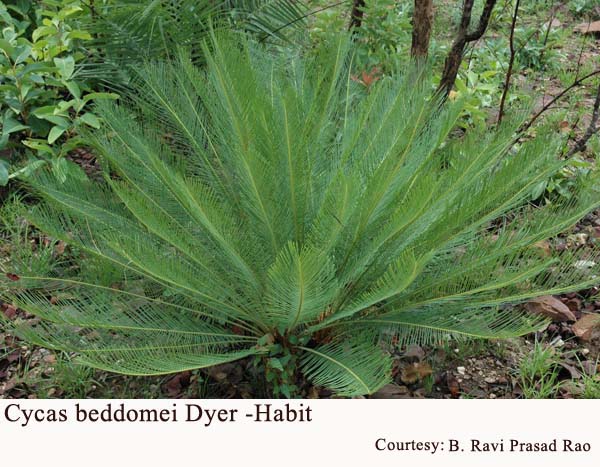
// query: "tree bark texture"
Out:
[422,24]
[356,16]
[463,36]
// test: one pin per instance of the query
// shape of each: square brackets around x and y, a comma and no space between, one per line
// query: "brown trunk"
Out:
[591,130]
[356,15]
[455,56]
[422,23]
[451,66]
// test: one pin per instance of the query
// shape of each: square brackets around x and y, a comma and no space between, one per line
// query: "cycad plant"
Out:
[270,206]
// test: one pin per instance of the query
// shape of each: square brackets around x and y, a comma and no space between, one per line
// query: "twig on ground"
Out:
[591,130]
[560,95]
[511,61]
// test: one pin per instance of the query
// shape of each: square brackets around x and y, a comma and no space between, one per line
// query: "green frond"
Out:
[301,284]
[349,368]
[399,275]
[134,353]
[125,331]
[440,323]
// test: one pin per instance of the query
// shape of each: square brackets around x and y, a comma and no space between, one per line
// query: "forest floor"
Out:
[562,361]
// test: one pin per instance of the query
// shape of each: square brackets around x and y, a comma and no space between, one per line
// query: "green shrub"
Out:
[581,8]
[385,34]
[42,103]
[271,207]
[538,49]
[383,40]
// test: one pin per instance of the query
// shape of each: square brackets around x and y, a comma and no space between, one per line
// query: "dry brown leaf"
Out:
[177,384]
[414,352]
[588,28]
[50,358]
[554,23]
[573,304]
[551,307]
[544,246]
[453,385]
[8,386]
[392,391]
[415,372]
[9,311]
[584,327]
[574,372]
[590,367]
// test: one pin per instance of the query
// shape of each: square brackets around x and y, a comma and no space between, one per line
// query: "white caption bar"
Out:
[301,433]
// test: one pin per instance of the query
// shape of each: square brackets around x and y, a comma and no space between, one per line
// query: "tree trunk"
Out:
[422,24]
[463,36]
[356,15]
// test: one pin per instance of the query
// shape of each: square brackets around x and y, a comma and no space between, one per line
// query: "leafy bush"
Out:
[479,91]
[270,207]
[564,182]
[584,7]
[538,49]
[40,98]
[383,40]
[385,34]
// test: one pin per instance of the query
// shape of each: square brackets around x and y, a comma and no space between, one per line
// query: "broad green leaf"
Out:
[42,112]
[7,47]
[77,34]
[37,67]
[63,106]
[25,88]
[276,364]
[68,11]
[100,95]
[22,53]
[42,31]
[90,119]
[58,120]
[55,133]
[8,88]
[73,88]
[3,172]
[57,50]
[11,125]
[66,66]
[39,145]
